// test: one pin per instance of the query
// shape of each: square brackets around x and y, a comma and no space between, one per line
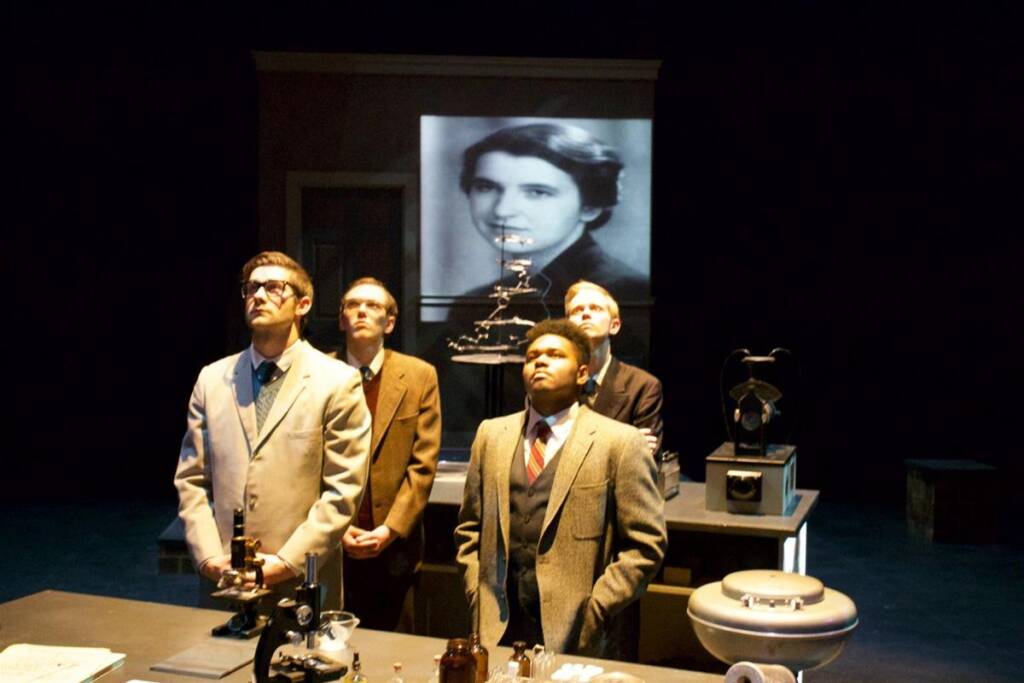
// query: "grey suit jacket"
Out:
[631,395]
[299,479]
[602,541]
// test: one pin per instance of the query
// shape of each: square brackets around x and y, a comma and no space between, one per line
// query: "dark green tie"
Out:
[264,399]
[263,374]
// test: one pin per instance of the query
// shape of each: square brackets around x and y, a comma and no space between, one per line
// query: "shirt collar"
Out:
[560,423]
[599,377]
[283,362]
[375,365]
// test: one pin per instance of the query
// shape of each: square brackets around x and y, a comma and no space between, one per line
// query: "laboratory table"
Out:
[150,632]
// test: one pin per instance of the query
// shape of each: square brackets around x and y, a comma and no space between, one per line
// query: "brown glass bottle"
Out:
[520,657]
[481,657]
[457,663]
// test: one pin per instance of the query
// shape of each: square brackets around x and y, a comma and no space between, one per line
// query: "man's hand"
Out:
[275,570]
[361,544]
[651,439]
[215,567]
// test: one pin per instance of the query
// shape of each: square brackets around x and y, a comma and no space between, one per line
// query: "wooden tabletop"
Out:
[149,632]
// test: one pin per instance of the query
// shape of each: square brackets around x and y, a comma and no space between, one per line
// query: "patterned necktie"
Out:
[264,400]
[263,374]
[541,434]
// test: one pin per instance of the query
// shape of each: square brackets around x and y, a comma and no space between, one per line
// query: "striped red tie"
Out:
[541,433]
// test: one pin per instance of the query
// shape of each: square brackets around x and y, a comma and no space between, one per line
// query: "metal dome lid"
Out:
[773,602]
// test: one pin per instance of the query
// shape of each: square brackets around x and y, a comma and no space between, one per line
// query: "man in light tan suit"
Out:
[384,546]
[279,430]
[561,524]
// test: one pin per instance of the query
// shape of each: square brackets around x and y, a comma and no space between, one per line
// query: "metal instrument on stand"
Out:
[296,621]
[748,474]
[498,340]
[245,565]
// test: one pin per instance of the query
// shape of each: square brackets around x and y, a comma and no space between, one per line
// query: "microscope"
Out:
[246,622]
[295,621]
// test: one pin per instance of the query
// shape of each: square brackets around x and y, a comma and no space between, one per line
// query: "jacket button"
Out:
[529,491]
[252,503]
[526,519]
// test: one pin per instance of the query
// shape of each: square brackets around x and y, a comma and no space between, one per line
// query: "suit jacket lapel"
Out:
[612,396]
[392,391]
[509,440]
[241,386]
[294,383]
[574,452]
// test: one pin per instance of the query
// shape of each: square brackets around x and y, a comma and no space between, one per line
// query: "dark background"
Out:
[844,182]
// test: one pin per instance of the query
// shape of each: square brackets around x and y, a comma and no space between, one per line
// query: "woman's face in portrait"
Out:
[534,200]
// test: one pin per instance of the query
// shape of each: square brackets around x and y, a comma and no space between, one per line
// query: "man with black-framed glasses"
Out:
[279,430]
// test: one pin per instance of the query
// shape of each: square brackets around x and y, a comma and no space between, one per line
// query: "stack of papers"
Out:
[24,663]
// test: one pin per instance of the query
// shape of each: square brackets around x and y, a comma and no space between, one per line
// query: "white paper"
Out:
[25,663]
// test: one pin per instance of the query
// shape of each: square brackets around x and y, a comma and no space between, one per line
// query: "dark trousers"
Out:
[524,608]
[381,600]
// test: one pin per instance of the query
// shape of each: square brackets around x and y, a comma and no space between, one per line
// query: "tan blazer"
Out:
[405,445]
[602,541]
[299,479]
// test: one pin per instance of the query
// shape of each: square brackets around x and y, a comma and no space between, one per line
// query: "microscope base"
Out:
[308,670]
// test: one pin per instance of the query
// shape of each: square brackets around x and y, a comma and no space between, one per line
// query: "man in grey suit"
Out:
[618,390]
[279,430]
[561,524]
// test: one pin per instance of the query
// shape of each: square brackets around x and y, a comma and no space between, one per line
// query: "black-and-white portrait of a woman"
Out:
[570,195]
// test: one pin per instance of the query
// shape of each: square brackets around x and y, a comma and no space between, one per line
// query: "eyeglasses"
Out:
[275,289]
[354,304]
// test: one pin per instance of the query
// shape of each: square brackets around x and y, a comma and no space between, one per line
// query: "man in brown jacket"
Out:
[384,545]
[562,524]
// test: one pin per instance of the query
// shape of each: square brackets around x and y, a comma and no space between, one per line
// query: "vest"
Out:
[527,506]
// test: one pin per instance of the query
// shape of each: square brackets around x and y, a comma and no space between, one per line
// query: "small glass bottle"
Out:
[397,677]
[481,657]
[355,674]
[520,657]
[458,664]
[435,677]
[540,662]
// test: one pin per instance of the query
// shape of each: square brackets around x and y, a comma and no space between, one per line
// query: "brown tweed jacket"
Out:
[404,449]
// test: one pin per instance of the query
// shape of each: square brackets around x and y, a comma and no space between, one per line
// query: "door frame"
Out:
[297,181]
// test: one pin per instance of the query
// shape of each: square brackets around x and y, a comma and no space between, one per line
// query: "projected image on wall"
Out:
[569,196]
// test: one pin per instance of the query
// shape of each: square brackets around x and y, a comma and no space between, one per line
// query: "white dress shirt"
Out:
[561,426]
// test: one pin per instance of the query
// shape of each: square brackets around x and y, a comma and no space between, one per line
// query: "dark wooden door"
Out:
[349,233]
